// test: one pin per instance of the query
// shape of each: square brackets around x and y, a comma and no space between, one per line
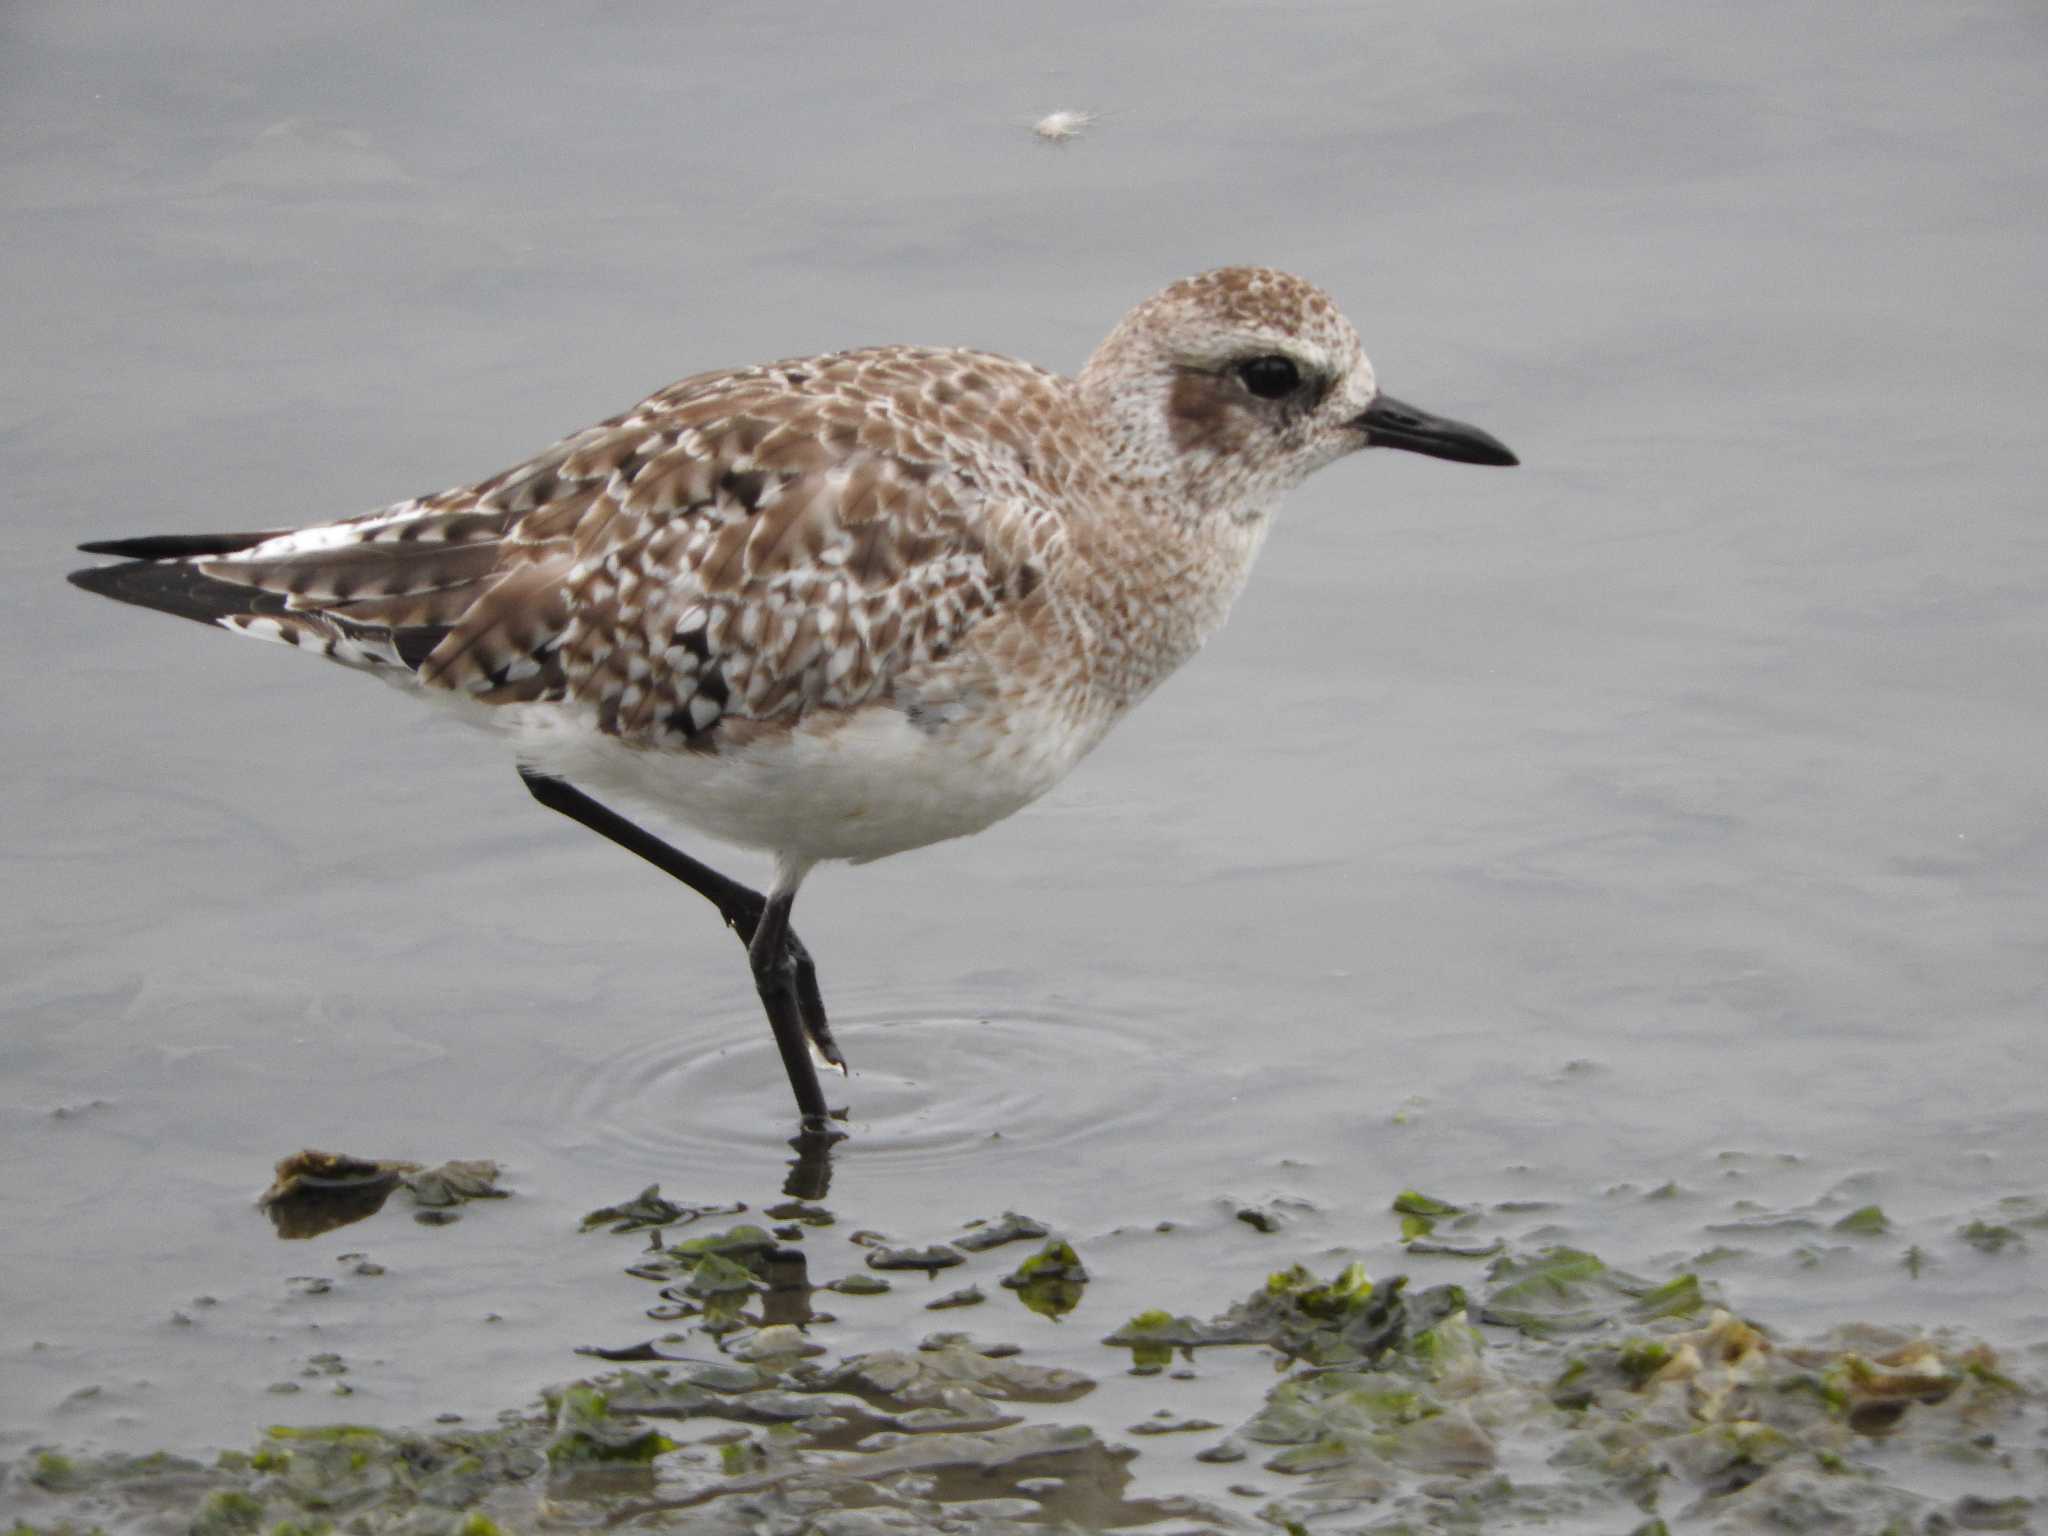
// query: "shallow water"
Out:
[1668,810]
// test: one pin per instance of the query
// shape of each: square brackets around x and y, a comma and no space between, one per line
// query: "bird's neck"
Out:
[1157,586]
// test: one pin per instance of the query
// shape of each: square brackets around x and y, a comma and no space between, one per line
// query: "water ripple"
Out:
[930,1085]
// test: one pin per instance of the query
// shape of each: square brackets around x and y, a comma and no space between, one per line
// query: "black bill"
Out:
[1387,423]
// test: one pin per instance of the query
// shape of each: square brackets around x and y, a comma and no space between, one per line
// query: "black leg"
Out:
[783,971]
[775,972]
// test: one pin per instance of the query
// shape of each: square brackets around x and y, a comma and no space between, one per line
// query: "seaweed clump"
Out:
[1555,1392]
[1650,1400]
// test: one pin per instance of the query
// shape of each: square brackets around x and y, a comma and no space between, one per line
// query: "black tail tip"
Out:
[93,578]
[168,586]
[174,546]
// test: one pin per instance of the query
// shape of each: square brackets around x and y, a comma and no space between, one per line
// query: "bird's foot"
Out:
[810,1007]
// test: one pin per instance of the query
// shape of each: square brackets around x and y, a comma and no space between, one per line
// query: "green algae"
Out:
[1555,1290]
[1153,1337]
[1420,1213]
[586,1431]
[1582,1398]
[1640,1359]
[1050,1282]
[649,1210]
[1565,1290]
[713,1274]
[745,1244]
[54,1472]
[923,1440]
[228,1512]
[1990,1236]
[1864,1221]
[1349,1292]
[1412,1202]
[1679,1296]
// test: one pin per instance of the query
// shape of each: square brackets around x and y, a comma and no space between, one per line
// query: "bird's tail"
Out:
[367,603]
[159,572]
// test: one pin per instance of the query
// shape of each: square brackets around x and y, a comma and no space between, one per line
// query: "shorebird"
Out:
[832,607]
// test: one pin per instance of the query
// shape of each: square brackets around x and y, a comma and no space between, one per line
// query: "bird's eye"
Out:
[1270,377]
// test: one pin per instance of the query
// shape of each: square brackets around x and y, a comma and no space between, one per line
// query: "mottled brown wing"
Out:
[751,545]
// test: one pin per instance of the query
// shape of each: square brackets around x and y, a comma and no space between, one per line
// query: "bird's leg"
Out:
[775,978]
[742,908]
[739,905]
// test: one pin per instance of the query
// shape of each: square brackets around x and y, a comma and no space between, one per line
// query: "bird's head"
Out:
[1228,389]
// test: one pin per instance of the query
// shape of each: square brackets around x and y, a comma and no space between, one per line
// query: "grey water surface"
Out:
[1670,811]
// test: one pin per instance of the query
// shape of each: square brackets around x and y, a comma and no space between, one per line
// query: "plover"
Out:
[832,607]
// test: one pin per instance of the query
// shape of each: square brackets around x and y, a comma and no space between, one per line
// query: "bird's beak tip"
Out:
[1389,423]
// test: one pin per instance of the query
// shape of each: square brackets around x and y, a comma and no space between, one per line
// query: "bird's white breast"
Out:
[858,786]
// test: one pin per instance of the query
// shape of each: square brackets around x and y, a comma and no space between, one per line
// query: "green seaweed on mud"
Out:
[586,1430]
[1420,1213]
[1990,1236]
[649,1210]
[1864,1221]
[1050,1281]
[1679,1296]
[1153,1337]
[745,1245]
[1349,1292]
[1717,1418]
[228,1512]
[1580,1398]
[54,1471]
[1565,1290]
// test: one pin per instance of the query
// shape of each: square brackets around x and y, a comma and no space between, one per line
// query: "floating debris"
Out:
[1063,127]
[315,1192]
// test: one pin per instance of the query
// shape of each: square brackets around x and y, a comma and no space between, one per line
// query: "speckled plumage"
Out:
[833,607]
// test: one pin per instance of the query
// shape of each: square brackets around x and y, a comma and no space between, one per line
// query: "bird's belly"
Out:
[856,786]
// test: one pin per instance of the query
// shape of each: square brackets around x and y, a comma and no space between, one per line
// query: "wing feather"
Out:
[754,545]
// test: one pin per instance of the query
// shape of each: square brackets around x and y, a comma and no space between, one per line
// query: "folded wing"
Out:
[751,545]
